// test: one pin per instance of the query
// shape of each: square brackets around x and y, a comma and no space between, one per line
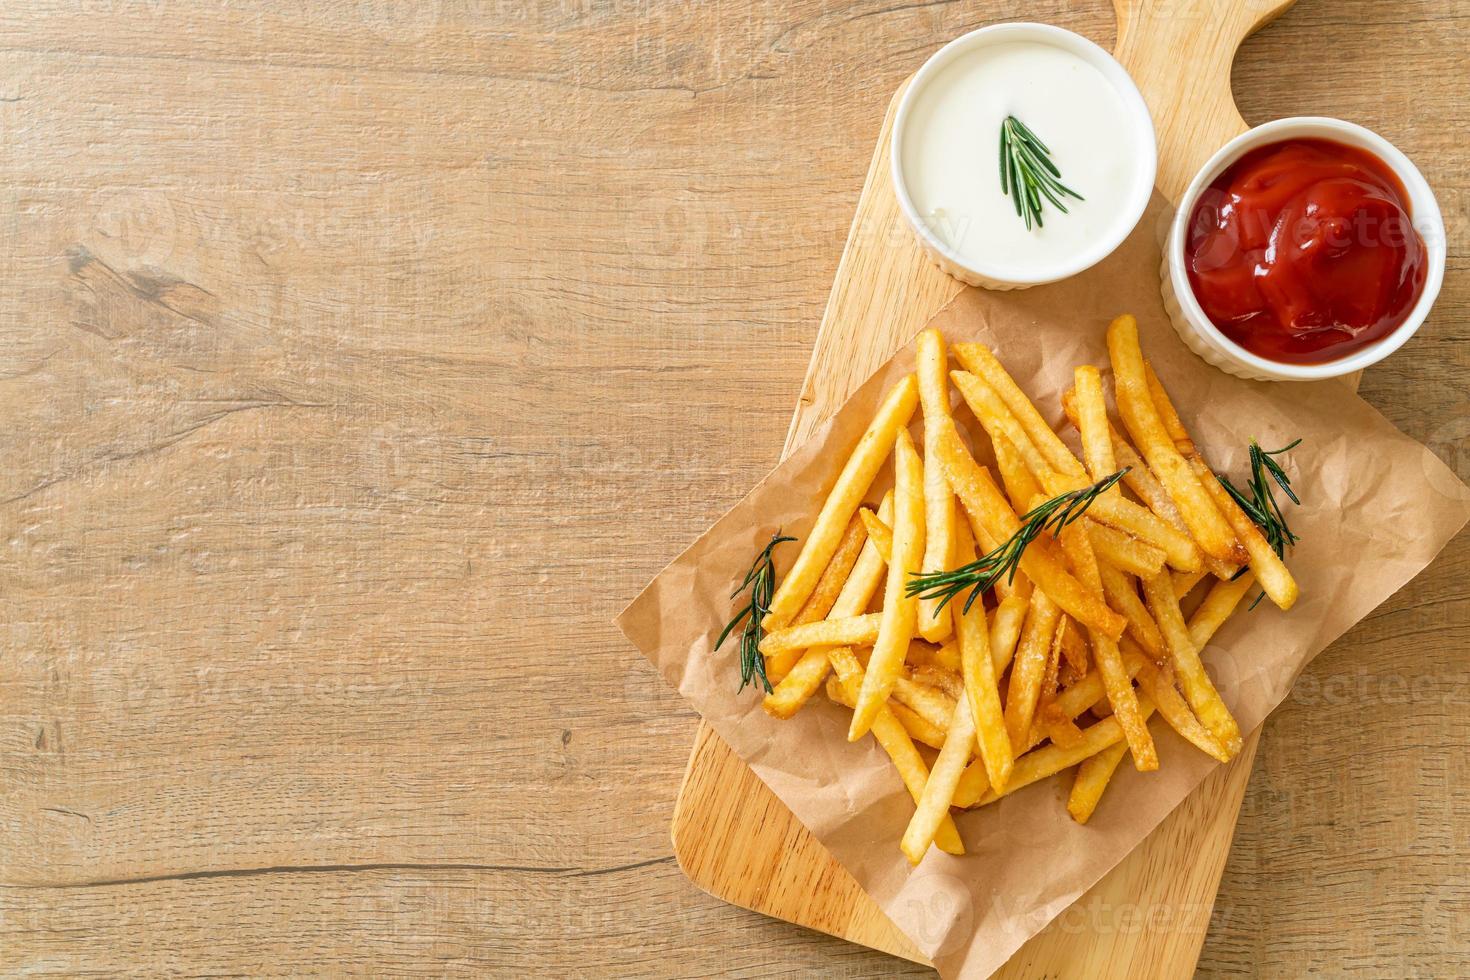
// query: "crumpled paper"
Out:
[1376,508]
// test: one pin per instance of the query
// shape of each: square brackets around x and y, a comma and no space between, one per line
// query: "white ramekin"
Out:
[1206,340]
[1134,198]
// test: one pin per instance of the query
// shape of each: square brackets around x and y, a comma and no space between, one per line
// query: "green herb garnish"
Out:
[761,581]
[1027,173]
[1260,503]
[985,571]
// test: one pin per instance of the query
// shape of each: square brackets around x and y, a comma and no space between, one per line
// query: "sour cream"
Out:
[946,153]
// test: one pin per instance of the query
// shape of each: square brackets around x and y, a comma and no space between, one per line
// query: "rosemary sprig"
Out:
[761,581]
[1260,503]
[1027,173]
[985,571]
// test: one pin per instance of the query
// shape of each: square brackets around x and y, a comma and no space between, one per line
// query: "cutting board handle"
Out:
[1179,53]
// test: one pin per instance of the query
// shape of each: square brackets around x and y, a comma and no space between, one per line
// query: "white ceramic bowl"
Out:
[1133,198]
[1206,340]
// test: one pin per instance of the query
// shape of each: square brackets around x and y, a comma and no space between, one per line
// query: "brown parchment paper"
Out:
[1377,507]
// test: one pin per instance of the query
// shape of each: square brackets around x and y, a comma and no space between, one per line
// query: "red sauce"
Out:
[1304,251]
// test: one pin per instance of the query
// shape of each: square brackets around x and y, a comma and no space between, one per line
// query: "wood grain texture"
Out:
[358,361]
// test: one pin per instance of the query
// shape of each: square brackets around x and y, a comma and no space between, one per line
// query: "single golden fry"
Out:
[1108,659]
[1020,485]
[857,476]
[1074,648]
[972,785]
[1092,779]
[1052,759]
[1141,418]
[982,498]
[1122,595]
[933,804]
[1184,582]
[1198,689]
[980,360]
[1005,629]
[900,610]
[1270,570]
[1219,603]
[820,603]
[1029,668]
[852,631]
[977,664]
[879,532]
[1092,412]
[1168,414]
[900,748]
[1123,551]
[804,679]
[939,507]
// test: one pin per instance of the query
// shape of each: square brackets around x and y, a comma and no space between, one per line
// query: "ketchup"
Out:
[1304,251]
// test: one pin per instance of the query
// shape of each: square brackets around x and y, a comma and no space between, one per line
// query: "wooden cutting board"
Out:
[732,836]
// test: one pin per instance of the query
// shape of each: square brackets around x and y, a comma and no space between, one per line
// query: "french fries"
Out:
[900,748]
[1109,659]
[1219,603]
[1123,596]
[999,423]
[977,664]
[979,494]
[806,676]
[932,808]
[1092,778]
[856,477]
[1005,629]
[900,610]
[1147,486]
[824,596]
[1269,569]
[854,631]
[1198,688]
[1141,418]
[1029,667]
[1020,485]
[1092,426]
[1039,674]
[939,507]
[917,728]
[979,360]
[1052,759]
[1123,552]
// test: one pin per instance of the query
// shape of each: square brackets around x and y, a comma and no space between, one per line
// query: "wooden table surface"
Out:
[358,361]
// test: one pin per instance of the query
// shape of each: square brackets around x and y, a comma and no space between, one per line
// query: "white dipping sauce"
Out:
[951,154]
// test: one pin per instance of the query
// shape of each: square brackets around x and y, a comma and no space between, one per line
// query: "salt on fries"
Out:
[1024,625]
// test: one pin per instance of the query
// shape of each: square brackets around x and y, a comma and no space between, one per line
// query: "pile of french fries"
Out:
[1062,664]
